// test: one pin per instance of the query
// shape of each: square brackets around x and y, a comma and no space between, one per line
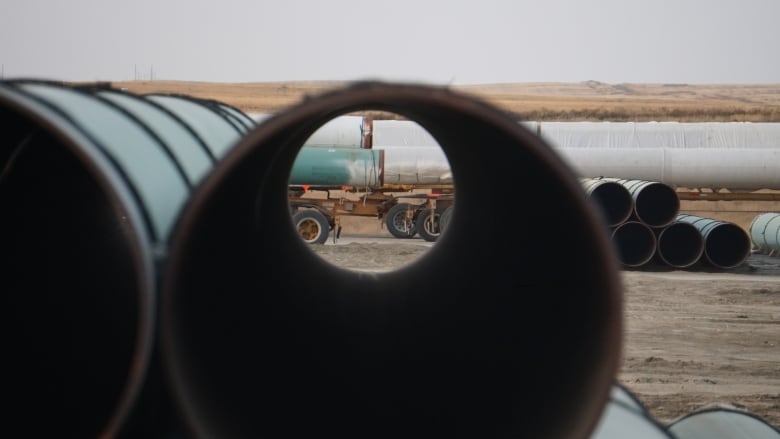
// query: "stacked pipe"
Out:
[118,206]
[635,216]
[726,245]
[656,231]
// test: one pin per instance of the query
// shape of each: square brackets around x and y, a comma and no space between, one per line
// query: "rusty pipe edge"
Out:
[481,337]
[77,280]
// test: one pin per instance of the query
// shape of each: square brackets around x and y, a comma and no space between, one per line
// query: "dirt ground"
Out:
[693,338]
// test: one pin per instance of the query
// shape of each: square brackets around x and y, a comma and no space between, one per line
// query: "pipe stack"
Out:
[643,207]
[726,245]
[142,229]
[656,231]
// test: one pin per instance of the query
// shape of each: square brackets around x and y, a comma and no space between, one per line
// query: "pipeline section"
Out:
[438,348]
[625,416]
[678,240]
[131,217]
[680,244]
[612,197]
[765,233]
[635,243]
[722,423]
[91,182]
[726,245]
[655,203]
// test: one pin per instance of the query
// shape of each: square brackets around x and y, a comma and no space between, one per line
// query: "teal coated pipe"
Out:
[91,182]
[726,245]
[319,166]
[765,232]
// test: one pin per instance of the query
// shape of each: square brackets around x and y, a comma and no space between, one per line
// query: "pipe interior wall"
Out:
[377,354]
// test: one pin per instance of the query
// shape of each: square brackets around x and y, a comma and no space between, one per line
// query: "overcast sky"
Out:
[456,41]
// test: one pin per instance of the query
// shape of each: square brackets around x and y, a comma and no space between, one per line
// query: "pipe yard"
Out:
[165,278]
[380,159]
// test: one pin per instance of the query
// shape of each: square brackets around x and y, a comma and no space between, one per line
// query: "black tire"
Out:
[312,226]
[429,228]
[444,220]
[398,223]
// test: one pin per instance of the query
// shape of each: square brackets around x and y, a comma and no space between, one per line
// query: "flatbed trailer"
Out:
[406,211]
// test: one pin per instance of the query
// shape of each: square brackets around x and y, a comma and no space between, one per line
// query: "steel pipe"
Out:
[338,167]
[655,204]
[263,338]
[612,198]
[680,244]
[722,423]
[726,245]
[635,243]
[91,180]
[625,417]
[765,233]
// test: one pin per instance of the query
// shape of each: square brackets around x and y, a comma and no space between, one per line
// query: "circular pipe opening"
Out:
[634,242]
[726,245]
[614,200]
[680,245]
[262,337]
[656,204]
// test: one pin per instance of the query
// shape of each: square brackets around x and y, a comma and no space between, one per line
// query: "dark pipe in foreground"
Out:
[481,337]
[90,181]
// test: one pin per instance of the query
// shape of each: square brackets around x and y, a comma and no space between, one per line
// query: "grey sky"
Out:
[456,41]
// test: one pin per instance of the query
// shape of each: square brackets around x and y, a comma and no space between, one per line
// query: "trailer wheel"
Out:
[444,220]
[429,227]
[398,222]
[312,226]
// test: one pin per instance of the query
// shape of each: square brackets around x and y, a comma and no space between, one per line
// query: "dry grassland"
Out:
[528,101]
